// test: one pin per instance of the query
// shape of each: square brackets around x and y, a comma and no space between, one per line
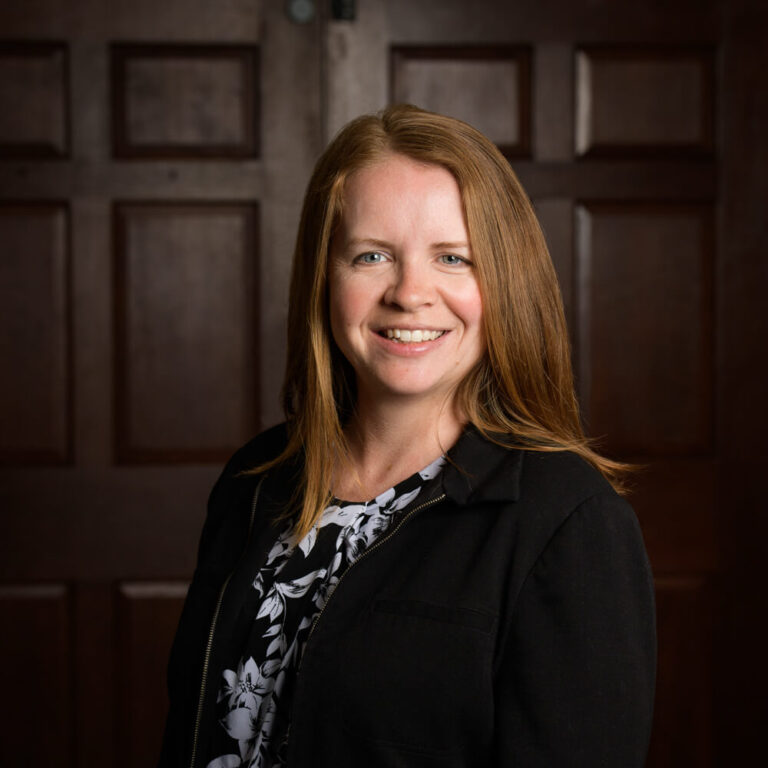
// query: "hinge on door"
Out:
[304,11]
[343,10]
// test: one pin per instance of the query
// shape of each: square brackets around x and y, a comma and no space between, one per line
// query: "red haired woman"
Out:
[427,564]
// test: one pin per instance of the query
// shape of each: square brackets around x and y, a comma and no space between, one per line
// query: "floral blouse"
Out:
[289,592]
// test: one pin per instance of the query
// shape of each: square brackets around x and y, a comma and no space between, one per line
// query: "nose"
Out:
[411,288]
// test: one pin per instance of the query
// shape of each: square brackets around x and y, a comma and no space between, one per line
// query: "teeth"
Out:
[418,335]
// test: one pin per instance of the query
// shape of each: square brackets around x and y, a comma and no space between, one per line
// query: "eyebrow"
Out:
[450,246]
[356,241]
[373,242]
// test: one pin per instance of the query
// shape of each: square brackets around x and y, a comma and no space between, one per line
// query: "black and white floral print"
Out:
[289,592]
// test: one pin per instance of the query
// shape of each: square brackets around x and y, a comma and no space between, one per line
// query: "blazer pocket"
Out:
[462,617]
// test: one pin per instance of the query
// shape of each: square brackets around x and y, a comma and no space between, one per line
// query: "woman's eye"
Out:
[371,258]
[452,259]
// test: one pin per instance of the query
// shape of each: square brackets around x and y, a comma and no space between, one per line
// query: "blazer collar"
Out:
[480,470]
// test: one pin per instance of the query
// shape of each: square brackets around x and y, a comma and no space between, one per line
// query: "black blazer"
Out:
[508,622]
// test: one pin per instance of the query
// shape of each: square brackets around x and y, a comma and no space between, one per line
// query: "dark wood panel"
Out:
[94,661]
[147,617]
[644,100]
[547,20]
[553,102]
[682,727]
[486,86]
[742,675]
[33,100]
[742,634]
[185,281]
[645,320]
[201,179]
[99,525]
[556,220]
[185,100]
[743,274]
[619,180]
[37,706]
[35,413]
[675,502]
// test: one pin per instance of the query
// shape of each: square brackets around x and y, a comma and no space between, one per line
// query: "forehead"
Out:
[397,188]
[398,168]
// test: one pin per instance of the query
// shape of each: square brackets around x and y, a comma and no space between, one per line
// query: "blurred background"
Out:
[153,155]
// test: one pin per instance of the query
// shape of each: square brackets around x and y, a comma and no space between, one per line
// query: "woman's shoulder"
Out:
[230,499]
[560,491]
[563,475]
[495,467]
[237,479]
[266,446]
[538,488]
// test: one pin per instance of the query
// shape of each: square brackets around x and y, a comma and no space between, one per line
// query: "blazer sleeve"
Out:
[226,514]
[575,683]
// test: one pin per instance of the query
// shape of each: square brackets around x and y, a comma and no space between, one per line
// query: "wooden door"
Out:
[638,130]
[152,160]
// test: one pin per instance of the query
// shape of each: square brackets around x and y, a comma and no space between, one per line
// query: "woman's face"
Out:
[405,305]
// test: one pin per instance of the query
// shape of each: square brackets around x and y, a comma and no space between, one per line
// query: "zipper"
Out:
[212,631]
[376,544]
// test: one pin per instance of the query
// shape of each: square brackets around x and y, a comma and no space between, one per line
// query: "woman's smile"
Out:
[406,335]
[407,342]
[405,304]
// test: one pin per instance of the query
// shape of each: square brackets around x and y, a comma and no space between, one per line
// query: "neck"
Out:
[390,440]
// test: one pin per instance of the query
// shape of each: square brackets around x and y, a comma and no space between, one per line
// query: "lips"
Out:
[406,335]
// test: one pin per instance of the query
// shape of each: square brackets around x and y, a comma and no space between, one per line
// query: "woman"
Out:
[427,565]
